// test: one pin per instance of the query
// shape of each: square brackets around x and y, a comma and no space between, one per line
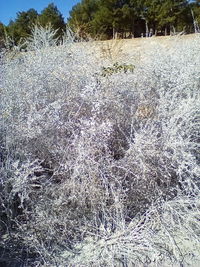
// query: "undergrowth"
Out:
[100,171]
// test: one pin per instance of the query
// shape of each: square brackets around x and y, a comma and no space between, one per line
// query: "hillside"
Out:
[132,49]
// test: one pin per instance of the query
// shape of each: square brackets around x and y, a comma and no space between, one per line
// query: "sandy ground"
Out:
[131,50]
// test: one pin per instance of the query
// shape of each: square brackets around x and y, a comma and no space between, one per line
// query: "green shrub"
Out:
[117,68]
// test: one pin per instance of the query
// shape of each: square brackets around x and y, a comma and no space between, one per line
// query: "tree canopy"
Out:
[133,17]
[2,34]
[105,19]
[51,15]
[21,27]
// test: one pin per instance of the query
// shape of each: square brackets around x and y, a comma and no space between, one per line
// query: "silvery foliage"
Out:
[70,36]
[101,171]
[10,45]
[41,37]
[195,23]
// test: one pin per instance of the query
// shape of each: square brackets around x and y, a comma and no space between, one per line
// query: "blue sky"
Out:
[9,8]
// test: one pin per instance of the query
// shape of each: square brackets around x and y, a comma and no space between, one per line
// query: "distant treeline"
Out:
[106,19]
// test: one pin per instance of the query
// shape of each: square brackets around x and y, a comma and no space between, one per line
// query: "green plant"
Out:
[117,68]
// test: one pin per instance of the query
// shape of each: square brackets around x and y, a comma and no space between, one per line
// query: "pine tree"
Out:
[21,27]
[25,21]
[81,17]
[103,21]
[194,11]
[170,13]
[2,34]
[132,17]
[112,17]
[51,15]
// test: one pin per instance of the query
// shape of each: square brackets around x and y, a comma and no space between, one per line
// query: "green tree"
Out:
[1,30]
[51,15]
[113,16]
[21,27]
[171,14]
[13,32]
[2,34]
[81,17]
[25,21]
[103,22]
[194,10]
[108,17]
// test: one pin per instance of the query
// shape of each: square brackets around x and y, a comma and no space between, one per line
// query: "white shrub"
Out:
[42,37]
[100,171]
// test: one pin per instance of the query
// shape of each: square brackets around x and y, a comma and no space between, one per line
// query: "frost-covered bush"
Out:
[100,171]
[41,38]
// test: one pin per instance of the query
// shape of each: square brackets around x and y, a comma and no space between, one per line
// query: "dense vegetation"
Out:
[128,18]
[105,19]
[22,26]
[99,160]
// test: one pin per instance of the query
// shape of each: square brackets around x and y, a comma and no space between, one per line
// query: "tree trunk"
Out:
[113,32]
[147,28]
[133,29]
[172,30]
[196,30]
